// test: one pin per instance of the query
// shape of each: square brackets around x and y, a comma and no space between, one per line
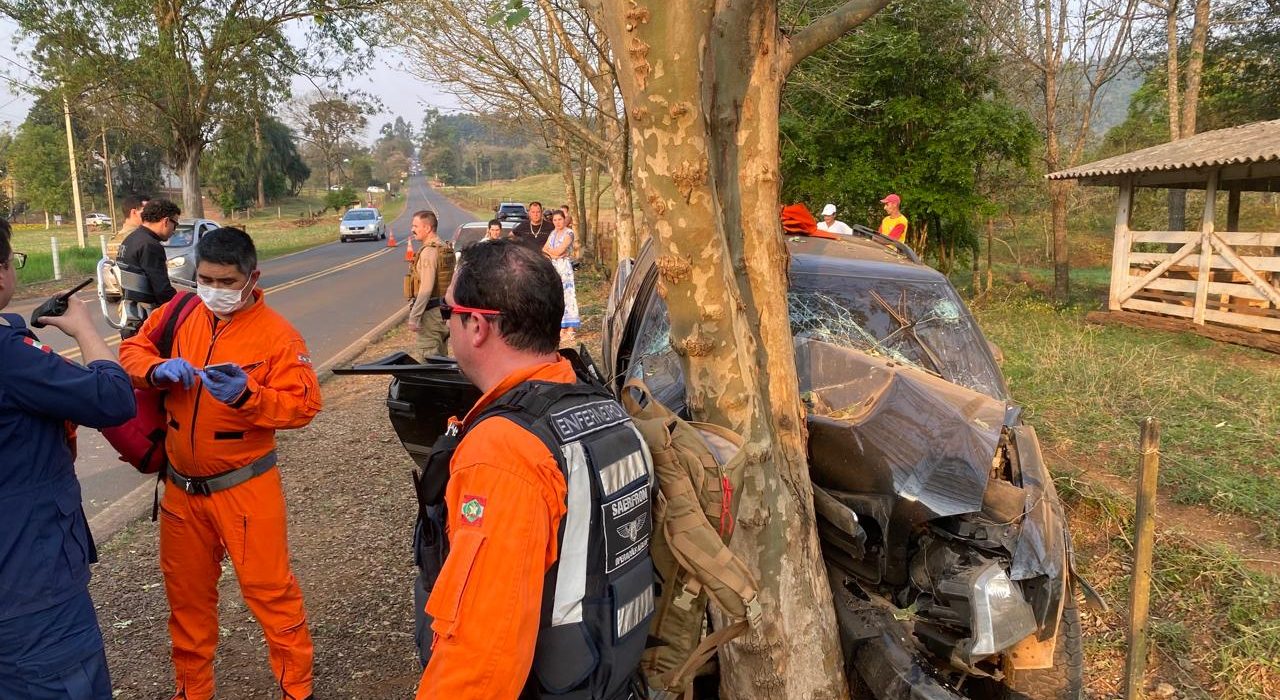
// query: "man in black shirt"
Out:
[534,232]
[142,251]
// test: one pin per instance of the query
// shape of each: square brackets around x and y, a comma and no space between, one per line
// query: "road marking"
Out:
[114,339]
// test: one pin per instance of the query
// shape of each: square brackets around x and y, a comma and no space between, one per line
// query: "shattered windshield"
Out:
[919,323]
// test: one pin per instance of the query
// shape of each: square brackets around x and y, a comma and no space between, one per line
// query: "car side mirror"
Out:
[996,352]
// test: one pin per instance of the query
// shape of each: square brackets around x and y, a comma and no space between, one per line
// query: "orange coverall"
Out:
[506,497]
[245,523]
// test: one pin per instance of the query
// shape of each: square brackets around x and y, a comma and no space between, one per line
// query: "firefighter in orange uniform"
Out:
[547,586]
[239,373]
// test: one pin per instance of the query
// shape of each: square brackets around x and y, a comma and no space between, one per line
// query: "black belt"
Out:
[207,485]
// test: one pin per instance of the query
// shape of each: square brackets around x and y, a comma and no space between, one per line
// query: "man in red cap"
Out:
[895,224]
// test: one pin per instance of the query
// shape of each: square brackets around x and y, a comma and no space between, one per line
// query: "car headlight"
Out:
[1001,616]
[176,262]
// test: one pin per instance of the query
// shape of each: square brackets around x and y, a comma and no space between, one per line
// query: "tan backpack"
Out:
[699,469]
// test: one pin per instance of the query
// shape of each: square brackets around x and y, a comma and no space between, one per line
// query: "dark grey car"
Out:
[944,539]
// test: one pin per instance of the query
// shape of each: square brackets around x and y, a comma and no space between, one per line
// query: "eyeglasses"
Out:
[447,310]
[18,261]
[173,220]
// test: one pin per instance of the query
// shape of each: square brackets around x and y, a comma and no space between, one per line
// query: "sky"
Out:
[402,94]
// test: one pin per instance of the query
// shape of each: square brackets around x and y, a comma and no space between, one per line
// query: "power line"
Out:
[25,68]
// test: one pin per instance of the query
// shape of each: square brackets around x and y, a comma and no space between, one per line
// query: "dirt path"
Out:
[1196,523]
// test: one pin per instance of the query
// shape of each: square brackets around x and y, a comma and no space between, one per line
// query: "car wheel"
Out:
[343,239]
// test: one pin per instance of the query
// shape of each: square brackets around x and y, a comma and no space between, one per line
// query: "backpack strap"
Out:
[172,316]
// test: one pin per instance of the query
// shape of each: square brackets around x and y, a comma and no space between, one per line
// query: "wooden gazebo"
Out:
[1220,283]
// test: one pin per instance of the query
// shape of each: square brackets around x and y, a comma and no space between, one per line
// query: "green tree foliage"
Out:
[38,163]
[906,104]
[1241,82]
[180,72]
[231,169]
[340,199]
[465,149]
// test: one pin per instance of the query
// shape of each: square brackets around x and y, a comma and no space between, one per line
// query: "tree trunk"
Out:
[258,161]
[1171,68]
[625,243]
[192,203]
[1195,68]
[1053,159]
[1177,198]
[1058,191]
[702,89]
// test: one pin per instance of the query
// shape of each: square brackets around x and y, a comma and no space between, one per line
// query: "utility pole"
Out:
[75,177]
[111,189]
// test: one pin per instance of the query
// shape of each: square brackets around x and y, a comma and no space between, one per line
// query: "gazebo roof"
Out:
[1248,156]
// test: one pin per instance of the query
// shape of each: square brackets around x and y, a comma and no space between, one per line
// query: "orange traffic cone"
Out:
[391,238]
[408,250]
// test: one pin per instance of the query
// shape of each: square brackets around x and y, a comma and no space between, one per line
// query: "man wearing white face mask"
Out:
[239,372]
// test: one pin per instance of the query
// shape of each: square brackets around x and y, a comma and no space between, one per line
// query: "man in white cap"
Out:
[829,223]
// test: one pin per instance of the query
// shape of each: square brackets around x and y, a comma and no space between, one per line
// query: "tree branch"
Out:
[827,29]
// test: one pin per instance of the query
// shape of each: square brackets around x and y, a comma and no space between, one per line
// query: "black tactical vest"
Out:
[598,597]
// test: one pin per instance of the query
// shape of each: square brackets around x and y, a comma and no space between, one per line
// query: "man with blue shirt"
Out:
[50,644]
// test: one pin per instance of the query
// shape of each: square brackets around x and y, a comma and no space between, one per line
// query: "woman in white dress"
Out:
[559,247]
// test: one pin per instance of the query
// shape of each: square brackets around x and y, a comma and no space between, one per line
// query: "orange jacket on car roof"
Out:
[206,436]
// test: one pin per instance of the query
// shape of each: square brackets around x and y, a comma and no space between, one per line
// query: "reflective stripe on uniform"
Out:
[644,448]
[571,576]
[634,612]
[618,475]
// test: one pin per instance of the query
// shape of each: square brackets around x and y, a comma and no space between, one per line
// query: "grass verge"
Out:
[1215,622]
[1086,387]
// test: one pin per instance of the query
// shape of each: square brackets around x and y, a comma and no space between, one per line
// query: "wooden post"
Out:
[1206,249]
[1233,209]
[1144,526]
[1121,245]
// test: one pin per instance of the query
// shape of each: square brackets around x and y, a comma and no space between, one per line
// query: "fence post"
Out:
[277,211]
[1144,525]
[102,241]
[57,264]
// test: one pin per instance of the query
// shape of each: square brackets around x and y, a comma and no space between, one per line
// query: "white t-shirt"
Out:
[836,226]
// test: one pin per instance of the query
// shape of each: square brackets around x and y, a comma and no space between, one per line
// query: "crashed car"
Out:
[945,541]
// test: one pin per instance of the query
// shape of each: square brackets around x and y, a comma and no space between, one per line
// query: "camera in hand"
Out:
[56,305]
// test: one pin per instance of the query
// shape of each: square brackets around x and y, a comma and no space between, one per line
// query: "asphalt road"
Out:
[333,294]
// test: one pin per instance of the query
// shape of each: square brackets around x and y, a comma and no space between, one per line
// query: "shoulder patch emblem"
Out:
[472,510]
[304,359]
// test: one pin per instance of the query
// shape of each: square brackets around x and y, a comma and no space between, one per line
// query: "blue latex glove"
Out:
[226,383]
[175,370]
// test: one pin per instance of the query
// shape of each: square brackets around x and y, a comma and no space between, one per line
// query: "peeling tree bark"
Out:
[701,81]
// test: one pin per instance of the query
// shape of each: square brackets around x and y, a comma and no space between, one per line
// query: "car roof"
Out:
[354,209]
[855,257]
[485,224]
[511,204]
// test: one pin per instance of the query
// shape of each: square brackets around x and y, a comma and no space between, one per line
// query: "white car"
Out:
[97,219]
[374,189]
[361,222]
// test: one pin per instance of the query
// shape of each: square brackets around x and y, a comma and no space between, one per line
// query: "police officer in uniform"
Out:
[543,489]
[50,644]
